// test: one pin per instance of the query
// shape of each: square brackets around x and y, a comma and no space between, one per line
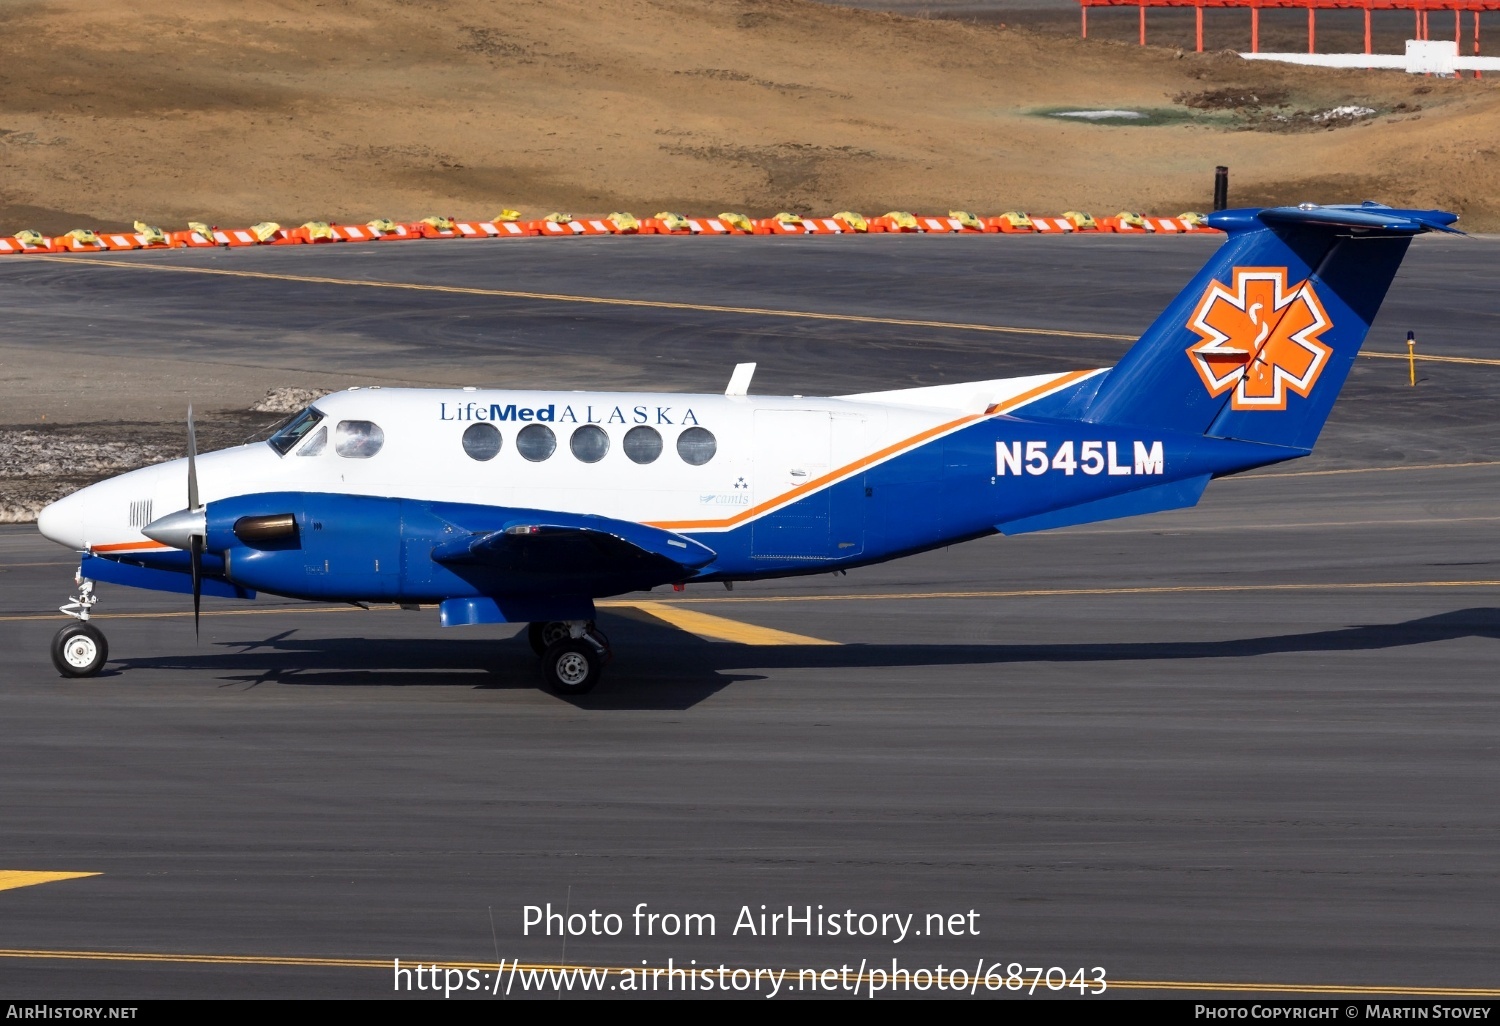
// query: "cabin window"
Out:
[642,444]
[294,431]
[589,443]
[536,442]
[358,439]
[316,444]
[482,442]
[697,446]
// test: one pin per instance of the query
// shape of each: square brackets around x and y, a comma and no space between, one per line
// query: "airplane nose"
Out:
[62,522]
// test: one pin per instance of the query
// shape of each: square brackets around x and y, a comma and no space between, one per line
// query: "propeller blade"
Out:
[195,553]
[192,462]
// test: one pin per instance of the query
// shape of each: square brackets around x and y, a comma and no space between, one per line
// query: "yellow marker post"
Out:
[1411,355]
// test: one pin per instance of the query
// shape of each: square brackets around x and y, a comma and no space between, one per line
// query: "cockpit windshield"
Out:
[283,440]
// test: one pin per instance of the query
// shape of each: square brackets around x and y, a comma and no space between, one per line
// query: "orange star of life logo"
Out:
[1260,338]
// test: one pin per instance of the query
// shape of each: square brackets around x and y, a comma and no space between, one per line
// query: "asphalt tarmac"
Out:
[1251,745]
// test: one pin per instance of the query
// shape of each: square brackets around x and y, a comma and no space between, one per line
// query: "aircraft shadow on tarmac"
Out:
[660,667]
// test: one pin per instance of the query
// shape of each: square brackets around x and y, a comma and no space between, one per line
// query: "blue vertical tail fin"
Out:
[1260,342]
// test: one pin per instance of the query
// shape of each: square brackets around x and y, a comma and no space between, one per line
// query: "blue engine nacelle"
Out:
[348,548]
[315,545]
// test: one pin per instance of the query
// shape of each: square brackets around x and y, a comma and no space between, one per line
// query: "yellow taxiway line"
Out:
[720,629]
[848,979]
[560,297]
[754,311]
[1293,525]
[1482,361]
[1364,470]
[1177,589]
[10,879]
[705,625]
[717,628]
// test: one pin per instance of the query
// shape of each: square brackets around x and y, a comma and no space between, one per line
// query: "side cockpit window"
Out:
[316,444]
[358,439]
[295,430]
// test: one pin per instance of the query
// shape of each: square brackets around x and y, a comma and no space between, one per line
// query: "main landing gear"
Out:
[573,654]
[79,649]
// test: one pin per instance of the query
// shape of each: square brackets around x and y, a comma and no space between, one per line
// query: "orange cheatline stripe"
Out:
[123,546]
[816,483]
[1056,384]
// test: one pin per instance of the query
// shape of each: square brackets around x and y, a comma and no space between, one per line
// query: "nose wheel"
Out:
[79,650]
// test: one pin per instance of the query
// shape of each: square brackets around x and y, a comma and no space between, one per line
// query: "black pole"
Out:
[1221,187]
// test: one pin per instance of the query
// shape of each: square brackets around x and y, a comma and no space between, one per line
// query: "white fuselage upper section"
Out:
[693,462]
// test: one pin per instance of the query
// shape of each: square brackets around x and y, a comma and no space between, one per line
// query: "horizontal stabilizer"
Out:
[1366,216]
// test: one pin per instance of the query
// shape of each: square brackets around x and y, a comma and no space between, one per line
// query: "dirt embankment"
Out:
[43,463]
[234,112]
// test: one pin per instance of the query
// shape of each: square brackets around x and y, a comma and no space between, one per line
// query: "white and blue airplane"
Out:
[526,506]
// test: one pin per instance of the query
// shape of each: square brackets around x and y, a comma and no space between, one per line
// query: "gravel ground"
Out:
[39,464]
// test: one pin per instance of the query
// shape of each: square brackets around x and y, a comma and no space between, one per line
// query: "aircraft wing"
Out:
[566,544]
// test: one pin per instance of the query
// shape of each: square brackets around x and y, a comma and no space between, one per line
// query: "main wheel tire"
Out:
[572,666]
[544,635]
[79,650]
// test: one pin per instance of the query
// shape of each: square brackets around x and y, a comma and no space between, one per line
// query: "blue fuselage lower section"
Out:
[1002,474]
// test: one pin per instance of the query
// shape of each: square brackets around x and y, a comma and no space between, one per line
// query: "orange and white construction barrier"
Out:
[489,229]
[895,221]
[507,224]
[1052,225]
[851,221]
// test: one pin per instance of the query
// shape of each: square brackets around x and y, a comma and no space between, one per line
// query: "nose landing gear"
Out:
[79,649]
[573,654]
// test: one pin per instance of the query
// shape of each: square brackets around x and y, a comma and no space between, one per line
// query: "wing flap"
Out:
[566,544]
